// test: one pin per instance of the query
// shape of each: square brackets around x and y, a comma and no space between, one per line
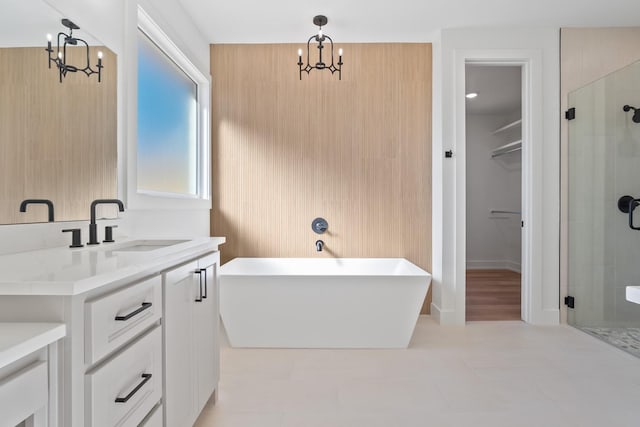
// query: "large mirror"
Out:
[58,140]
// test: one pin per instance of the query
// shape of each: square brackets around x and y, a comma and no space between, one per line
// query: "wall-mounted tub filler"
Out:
[319,245]
[319,225]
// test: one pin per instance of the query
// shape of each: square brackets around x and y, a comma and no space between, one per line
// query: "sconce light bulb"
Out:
[320,33]
[299,52]
[340,51]
[99,54]
[48,37]
[59,55]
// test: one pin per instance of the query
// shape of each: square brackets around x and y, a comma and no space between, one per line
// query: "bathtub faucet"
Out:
[319,245]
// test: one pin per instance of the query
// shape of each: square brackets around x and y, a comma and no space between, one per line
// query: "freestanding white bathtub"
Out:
[321,303]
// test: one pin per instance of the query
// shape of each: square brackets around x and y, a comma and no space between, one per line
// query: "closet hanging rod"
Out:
[494,211]
[505,152]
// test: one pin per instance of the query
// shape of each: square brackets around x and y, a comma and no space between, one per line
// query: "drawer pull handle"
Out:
[143,307]
[145,378]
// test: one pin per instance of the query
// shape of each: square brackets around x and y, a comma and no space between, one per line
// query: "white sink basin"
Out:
[633,294]
[145,245]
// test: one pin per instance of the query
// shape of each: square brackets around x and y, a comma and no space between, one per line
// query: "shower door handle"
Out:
[628,204]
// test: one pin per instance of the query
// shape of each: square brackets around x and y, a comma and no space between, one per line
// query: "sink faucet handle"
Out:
[76,237]
[108,233]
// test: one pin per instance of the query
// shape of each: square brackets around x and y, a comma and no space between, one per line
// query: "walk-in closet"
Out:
[493,191]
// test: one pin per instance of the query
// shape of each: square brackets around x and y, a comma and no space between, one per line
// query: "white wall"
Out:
[540,48]
[493,241]
[114,23]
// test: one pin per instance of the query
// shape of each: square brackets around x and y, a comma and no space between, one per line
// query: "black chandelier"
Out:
[60,58]
[320,38]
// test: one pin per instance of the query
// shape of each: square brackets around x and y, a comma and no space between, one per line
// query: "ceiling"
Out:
[498,87]
[287,21]
[26,23]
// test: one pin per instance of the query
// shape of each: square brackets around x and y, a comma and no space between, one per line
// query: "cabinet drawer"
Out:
[154,419]
[123,391]
[114,319]
[23,394]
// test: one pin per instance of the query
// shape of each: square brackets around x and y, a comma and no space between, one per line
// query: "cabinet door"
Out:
[181,290]
[206,315]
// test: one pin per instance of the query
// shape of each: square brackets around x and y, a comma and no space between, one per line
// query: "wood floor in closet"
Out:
[493,295]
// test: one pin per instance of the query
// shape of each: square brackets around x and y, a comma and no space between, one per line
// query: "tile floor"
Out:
[627,339]
[485,374]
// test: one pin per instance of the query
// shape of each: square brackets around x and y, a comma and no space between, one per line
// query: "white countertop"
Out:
[18,340]
[66,271]
[633,294]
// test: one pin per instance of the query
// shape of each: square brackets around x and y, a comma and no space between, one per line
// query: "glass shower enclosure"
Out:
[604,183]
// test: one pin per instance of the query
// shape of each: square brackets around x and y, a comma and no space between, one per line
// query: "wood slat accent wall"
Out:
[57,141]
[356,152]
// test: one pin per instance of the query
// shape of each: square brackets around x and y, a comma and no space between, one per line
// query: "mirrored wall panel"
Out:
[57,139]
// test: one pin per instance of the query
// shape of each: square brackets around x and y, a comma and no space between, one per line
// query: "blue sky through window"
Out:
[167,123]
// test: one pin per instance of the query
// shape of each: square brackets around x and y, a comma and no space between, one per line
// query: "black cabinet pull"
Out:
[145,378]
[143,307]
[204,270]
[199,273]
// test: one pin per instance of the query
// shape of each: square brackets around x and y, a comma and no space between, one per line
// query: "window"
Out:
[172,119]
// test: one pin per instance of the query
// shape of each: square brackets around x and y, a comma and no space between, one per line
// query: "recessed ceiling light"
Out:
[471,95]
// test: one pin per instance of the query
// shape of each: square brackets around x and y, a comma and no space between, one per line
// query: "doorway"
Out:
[493,124]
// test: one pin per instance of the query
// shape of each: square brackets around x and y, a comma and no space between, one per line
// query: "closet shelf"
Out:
[509,126]
[507,148]
[495,211]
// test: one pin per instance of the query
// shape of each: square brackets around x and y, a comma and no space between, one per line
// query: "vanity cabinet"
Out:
[123,351]
[192,365]
[29,374]
[139,349]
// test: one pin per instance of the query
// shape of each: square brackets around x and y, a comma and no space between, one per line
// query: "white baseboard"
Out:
[513,266]
[445,317]
[546,317]
[493,265]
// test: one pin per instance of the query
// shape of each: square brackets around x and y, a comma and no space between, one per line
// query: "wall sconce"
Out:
[60,58]
[320,38]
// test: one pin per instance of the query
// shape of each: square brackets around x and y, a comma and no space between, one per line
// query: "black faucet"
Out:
[93,227]
[319,245]
[49,203]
